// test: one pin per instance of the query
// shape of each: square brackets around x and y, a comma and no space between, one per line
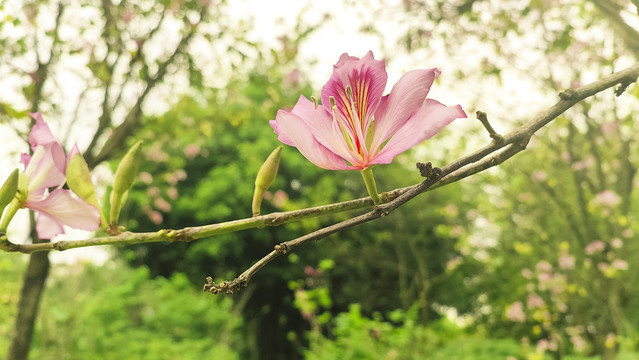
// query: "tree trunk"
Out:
[34,280]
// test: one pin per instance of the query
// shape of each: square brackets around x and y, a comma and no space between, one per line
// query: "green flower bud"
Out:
[265,178]
[79,181]
[124,176]
[8,190]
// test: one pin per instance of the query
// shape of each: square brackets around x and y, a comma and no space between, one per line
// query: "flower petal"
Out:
[47,227]
[367,78]
[406,97]
[425,123]
[292,128]
[320,122]
[40,133]
[62,208]
[46,168]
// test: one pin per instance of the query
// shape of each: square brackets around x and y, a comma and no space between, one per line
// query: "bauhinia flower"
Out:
[355,126]
[44,170]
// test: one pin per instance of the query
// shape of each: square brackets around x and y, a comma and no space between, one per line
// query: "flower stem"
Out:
[369,180]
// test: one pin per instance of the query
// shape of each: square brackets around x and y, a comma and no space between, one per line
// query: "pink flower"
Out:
[578,343]
[616,243]
[594,247]
[534,301]
[607,198]
[539,176]
[355,126]
[566,261]
[45,169]
[515,312]
[620,264]
[544,266]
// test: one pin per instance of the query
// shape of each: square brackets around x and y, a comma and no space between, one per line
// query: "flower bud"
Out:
[79,180]
[8,190]
[265,178]
[124,176]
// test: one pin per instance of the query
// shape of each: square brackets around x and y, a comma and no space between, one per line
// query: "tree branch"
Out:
[515,141]
[473,163]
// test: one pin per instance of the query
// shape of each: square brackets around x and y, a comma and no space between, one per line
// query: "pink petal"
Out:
[62,208]
[24,159]
[367,78]
[47,227]
[320,122]
[74,150]
[406,97]
[301,136]
[425,123]
[46,168]
[280,135]
[40,133]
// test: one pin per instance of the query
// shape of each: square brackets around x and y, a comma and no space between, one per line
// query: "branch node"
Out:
[623,86]
[481,116]
[281,249]
[425,169]
[568,94]
[227,287]
[277,220]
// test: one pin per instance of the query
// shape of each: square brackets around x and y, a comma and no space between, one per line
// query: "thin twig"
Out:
[481,116]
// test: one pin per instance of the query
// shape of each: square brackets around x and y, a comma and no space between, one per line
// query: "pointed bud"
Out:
[8,190]
[79,181]
[265,178]
[124,176]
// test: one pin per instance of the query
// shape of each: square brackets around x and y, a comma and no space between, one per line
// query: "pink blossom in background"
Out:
[544,266]
[162,205]
[280,198]
[355,126]
[153,191]
[608,128]
[46,169]
[172,192]
[539,176]
[515,312]
[578,343]
[616,243]
[584,164]
[607,198]
[543,278]
[594,247]
[603,267]
[566,262]
[542,345]
[534,301]
[526,273]
[620,264]
[628,233]
[192,151]
[146,177]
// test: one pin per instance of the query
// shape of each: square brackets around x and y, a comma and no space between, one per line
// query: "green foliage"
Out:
[355,336]
[115,312]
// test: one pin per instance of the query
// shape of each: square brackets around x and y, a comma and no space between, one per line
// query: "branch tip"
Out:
[481,116]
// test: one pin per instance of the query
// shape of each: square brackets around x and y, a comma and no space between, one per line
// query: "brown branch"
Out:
[132,121]
[473,163]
